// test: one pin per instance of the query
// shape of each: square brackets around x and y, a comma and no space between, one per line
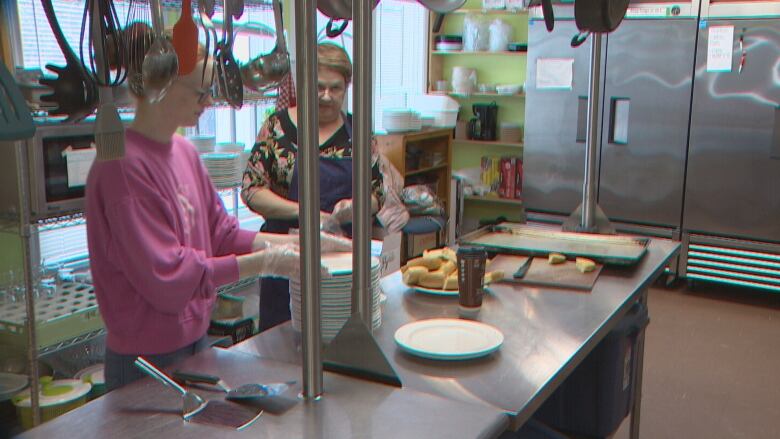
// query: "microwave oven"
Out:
[59,156]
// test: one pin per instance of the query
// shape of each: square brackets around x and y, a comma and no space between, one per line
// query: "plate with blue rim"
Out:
[449,339]
[437,291]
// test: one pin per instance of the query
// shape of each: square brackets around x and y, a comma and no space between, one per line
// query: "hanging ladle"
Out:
[268,70]
[161,65]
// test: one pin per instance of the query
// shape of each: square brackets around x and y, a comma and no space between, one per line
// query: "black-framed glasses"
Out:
[203,92]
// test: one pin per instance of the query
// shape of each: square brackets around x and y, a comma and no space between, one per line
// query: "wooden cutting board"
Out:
[542,273]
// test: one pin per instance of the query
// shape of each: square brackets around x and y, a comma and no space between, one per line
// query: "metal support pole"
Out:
[591,148]
[23,183]
[361,158]
[588,217]
[309,204]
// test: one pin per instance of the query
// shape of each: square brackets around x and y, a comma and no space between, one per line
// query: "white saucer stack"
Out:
[336,295]
[225,169]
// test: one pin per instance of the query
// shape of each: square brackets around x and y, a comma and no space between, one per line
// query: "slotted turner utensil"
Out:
[198,410]
[228,71]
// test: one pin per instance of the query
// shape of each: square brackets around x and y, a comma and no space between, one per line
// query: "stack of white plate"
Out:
[204,143]
[225,169]
[336,295]
[510,132]
[399,120]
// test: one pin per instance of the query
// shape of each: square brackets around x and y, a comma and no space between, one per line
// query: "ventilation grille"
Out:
[734,266]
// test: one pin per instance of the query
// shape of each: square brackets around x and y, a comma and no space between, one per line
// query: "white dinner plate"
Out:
[448,339]
[435,291]
[438,292]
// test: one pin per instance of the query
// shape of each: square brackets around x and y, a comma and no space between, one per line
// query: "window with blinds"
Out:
[399,71]
[400,45]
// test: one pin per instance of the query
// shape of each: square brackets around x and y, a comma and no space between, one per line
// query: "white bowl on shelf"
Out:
[509,89]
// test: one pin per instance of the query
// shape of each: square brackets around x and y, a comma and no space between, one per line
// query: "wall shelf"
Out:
[488,142]
[490,11]
[493,199]
[424,170]
[483,52]
[477,95]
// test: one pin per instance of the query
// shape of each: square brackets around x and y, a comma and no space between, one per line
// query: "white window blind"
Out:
[400,46]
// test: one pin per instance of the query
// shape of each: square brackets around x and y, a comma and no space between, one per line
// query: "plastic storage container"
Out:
[597,396]
[56,398]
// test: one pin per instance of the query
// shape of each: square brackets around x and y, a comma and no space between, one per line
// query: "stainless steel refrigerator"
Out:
[732,199]
[555,115]
[646,96]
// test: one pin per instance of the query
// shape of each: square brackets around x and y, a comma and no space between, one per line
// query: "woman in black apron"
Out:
[270,185]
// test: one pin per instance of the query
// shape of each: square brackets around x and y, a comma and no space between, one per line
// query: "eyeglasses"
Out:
[202,92]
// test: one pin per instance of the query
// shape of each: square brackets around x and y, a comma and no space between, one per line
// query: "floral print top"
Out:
[272,159]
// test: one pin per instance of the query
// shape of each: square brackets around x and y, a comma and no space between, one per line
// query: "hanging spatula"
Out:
[15,120]
[185,39]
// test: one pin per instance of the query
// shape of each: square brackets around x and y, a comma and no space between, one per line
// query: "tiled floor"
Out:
[712,365]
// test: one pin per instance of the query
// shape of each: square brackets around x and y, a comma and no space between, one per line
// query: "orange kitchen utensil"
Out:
[185,39]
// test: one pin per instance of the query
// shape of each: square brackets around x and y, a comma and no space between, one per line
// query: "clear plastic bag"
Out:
[476,33]
[500,35]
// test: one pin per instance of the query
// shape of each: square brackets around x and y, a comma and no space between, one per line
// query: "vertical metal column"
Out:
[588,216]
[361,158]
[591,149]
[29,298]
[309,204]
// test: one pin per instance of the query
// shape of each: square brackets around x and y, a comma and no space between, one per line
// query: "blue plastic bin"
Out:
[596,397]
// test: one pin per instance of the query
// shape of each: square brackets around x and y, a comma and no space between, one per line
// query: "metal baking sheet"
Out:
[513,238]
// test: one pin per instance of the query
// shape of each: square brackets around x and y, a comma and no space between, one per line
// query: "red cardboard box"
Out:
[507,188]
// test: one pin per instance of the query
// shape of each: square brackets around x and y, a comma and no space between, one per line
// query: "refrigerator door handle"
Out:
[582,119]
[618,120]
[774,149]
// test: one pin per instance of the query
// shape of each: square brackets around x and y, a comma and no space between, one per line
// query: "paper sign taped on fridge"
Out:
[554,73]
[79,161]
[720,48]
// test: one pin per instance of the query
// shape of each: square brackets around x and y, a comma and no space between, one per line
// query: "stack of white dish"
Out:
[229,147]
[443,109]
[225,169]
[510,132]
[399,120]
[336,295]
[509,89]
[204,143]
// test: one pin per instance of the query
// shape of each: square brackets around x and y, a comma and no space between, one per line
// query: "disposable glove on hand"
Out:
[330,243]
[282,261]
[342,211]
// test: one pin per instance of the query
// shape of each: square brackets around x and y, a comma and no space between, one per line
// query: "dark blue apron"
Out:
[335,185]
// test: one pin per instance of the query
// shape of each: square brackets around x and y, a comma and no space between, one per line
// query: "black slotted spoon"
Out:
[229,73]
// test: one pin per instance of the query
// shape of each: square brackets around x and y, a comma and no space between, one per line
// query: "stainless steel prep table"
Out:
[548,332]
[350,408]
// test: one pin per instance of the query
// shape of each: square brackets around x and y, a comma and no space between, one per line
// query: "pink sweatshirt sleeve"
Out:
[226,235]
[165,273]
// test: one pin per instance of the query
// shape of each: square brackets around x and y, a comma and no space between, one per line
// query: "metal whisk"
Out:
[138,37]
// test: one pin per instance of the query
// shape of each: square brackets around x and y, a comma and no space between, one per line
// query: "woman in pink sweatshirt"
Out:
[161,242]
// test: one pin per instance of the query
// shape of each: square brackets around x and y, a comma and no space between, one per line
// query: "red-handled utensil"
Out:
[185,39]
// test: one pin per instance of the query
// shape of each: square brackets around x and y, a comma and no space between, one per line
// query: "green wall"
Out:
[491,69]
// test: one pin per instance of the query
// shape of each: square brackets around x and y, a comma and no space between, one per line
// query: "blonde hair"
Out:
[335,58]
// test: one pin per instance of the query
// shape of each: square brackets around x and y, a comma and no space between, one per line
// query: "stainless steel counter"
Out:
[350,408]
[547,333]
